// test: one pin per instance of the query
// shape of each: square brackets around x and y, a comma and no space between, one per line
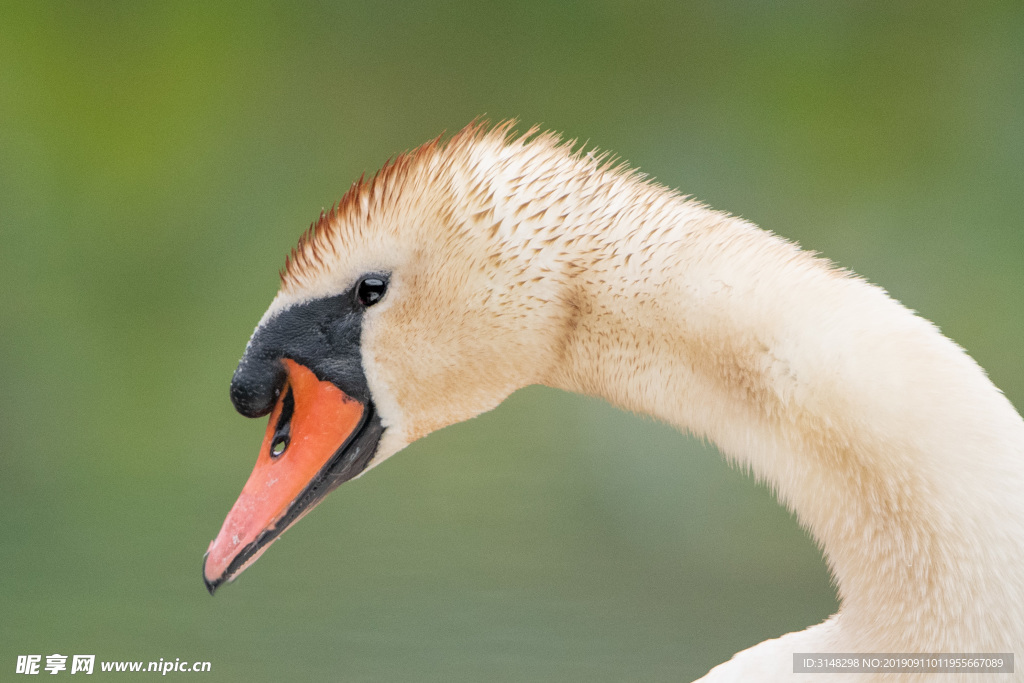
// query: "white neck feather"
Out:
[891,445]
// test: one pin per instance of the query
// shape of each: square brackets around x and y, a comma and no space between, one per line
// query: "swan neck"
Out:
[891,445]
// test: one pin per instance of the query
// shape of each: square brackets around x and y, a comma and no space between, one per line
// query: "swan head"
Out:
[414,304]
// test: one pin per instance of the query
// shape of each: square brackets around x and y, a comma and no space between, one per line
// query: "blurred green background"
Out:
[157,160]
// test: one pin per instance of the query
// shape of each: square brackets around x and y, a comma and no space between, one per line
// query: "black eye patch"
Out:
[322,334]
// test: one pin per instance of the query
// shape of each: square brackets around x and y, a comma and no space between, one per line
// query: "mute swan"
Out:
[468,269]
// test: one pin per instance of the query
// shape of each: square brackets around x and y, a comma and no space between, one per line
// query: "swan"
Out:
[472,267]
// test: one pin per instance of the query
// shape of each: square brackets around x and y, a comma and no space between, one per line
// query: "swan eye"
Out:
[371,290]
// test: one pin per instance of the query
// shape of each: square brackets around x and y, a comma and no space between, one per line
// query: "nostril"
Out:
[277,448]
[283,430]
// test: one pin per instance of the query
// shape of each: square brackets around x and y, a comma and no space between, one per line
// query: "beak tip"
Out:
[211,586]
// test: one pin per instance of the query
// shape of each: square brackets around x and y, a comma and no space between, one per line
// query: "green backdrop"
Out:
[157,160]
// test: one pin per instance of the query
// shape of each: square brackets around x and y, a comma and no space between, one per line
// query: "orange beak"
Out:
[310,447]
